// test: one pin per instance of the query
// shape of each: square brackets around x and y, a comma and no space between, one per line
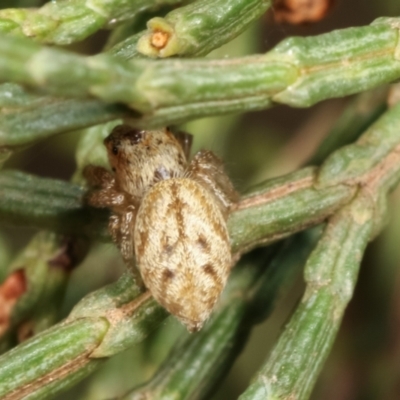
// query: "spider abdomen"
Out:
[182,248]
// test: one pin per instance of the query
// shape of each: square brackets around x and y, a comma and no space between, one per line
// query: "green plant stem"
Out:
[50,116]
[63,213]
[200,27]
[331,273]
[274,209]
[103,323]
[43,269]
[61,354]
[377,169]
[132,315]
[127,48]
[297,72]
[64,22]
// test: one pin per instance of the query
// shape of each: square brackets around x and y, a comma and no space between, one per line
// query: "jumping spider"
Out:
[168,214]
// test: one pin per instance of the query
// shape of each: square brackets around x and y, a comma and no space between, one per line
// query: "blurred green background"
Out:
[365,361]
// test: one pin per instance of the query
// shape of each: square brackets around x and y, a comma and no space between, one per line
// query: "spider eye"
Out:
[115,150]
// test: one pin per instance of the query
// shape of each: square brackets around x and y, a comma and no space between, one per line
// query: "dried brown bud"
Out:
[11,290]
[301,11]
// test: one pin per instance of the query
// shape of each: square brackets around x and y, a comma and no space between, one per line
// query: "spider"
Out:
[169,215]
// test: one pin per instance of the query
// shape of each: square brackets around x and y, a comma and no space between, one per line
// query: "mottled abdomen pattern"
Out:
[182,248]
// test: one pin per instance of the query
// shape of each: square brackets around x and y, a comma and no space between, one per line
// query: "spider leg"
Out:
[121,228]
[208,170]
[106,194]
[107,198]
[103,192]
[114,227]
[97,176]
[126,228]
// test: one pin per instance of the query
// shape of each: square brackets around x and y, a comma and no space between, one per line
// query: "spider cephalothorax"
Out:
[170,215]
[141,158]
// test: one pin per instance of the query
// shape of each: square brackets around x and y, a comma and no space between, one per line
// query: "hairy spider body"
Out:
[142,158]
[170,215]
[189,256]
